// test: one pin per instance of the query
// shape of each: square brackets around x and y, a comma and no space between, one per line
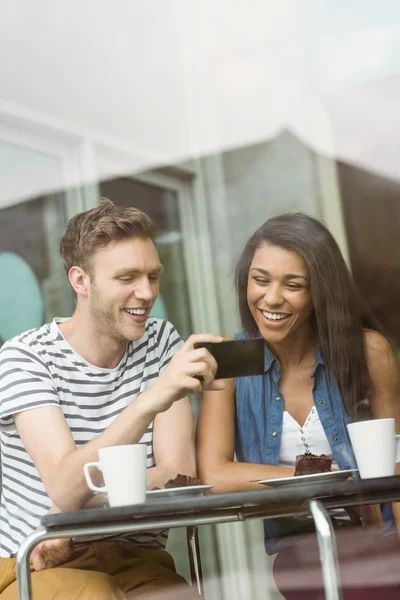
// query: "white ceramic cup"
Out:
[375,447]
[124,474]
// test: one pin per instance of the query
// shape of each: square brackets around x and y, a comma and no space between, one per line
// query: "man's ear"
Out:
[80,281]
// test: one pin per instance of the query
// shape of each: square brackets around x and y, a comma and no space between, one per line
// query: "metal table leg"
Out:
[22,563]
[196,571]
[327,550]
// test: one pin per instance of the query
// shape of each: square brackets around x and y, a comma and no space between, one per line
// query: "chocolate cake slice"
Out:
[183,481]
[308,464]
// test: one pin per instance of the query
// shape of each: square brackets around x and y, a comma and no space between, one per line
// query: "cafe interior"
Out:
[211,117]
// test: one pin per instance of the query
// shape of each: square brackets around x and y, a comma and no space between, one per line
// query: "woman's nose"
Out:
[273,296]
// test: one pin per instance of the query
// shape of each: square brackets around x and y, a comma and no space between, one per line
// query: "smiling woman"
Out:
[279,293]
[296,244]
[326,360]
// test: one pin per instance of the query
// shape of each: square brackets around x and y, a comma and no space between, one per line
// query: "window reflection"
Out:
[34,288]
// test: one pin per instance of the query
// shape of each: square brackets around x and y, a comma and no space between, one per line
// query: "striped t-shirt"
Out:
[39,368]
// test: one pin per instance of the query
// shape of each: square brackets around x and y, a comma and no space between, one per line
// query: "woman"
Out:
[327,362]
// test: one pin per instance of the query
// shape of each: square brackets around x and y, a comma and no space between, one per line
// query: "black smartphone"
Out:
[237,358]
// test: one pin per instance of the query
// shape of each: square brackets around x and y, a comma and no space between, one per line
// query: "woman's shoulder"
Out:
[381,360]
[383,370]
[239,335]
[376,344]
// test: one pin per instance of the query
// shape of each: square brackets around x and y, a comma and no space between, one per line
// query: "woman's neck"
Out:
[297,350]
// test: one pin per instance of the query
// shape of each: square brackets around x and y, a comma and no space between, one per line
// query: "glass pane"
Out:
[162,207]
[35,288]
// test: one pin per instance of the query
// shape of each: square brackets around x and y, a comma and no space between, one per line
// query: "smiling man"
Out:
[109,375]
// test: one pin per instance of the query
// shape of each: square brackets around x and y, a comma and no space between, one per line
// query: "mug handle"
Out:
[91,485]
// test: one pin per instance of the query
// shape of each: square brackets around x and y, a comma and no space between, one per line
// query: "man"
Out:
[109,375]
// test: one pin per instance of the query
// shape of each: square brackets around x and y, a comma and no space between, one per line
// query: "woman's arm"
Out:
[215,441]
[384,396]
[383,370]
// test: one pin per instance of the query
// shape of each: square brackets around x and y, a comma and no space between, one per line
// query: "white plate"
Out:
[178,492]
[314,478]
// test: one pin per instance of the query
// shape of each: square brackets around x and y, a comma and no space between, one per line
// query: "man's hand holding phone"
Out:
[191,370]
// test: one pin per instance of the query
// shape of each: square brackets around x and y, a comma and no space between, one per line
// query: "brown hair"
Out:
[340,314]
[97,227]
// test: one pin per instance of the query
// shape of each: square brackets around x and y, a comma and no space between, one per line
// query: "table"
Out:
[315,498]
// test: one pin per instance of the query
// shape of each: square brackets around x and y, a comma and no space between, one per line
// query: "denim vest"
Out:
[258,428]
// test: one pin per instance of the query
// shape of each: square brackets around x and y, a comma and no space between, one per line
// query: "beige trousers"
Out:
[103,571]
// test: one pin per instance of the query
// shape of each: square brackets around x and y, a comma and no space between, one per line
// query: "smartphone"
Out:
[237,358]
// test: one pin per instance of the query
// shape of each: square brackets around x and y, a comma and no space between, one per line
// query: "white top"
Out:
[297,439]
[39,368]
[310,437]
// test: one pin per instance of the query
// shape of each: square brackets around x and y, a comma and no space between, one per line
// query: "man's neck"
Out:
[98,349]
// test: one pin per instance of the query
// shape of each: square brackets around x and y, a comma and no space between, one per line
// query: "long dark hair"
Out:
[340,314]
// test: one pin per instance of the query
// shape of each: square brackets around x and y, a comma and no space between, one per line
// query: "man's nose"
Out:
[144,290]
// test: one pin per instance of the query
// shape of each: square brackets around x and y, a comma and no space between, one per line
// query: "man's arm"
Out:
[48,439]
[49,442]
[173,444]
[173,447]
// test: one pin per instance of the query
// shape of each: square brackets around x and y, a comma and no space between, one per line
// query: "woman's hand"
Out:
[371,514]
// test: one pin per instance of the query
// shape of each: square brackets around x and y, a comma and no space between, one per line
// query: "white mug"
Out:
[124,474]
[376,447]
